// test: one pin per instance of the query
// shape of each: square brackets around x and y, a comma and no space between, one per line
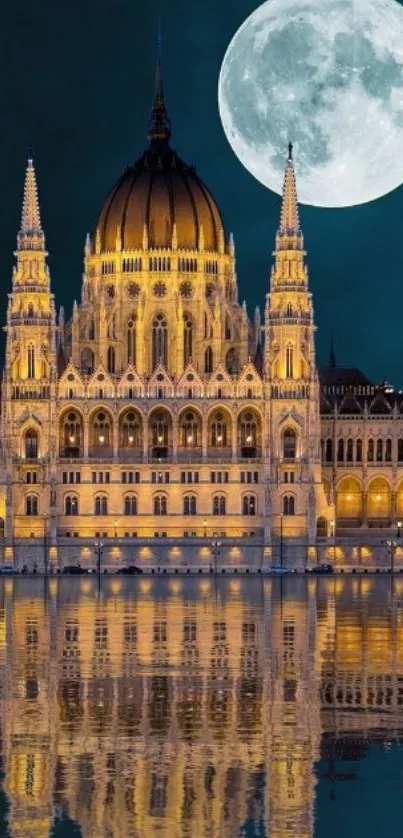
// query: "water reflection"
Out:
[179,708]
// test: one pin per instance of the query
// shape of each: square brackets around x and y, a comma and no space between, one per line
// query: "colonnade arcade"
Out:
[375,502]
[162,433]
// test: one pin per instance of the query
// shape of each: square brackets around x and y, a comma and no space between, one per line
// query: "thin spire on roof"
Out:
[31,233]
[160,125]
[289,219]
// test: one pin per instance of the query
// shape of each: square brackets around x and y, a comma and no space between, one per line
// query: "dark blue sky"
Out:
[77,82]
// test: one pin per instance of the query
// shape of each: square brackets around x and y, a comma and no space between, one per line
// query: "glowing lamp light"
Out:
[160,438]
[378,498]
[131,439]
[190,439]
[249,438]
[102,439]
[348,497]
[219,438]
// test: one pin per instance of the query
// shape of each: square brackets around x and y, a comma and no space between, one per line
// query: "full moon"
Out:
[328,76]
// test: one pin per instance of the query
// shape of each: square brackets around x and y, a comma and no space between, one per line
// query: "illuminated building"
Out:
[157,410]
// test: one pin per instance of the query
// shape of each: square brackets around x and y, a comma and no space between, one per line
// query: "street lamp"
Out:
[215,549]
[99,546]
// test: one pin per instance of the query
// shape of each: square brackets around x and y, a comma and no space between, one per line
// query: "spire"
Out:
[332,356]
[31,235]
[160,125]
[289,218]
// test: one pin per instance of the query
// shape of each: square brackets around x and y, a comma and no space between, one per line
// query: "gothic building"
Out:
[159,409]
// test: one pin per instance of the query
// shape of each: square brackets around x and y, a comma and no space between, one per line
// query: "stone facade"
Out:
[159,410]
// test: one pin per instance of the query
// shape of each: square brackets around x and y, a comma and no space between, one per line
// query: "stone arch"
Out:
[100,425]
[399,500]
[379,501]
[249,432]
[71,432]
[349,501]
[219,428]
[131,425]
[190,428]
[160,432]
[321,527]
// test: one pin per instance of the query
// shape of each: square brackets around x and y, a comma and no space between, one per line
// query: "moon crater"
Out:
[329,77]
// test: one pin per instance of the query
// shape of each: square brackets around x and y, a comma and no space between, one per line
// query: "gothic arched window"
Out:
[131,341]
[208,360]
[232,362]
[160,505]
[218,431]
[249,505]
[159,341]
[130,505]
[31,445]
[71,505]
[358,451]
[101,429]
[289,368]
[370,451]
[388,451]
[350,451]
[111,359]
[87,361]
[289,444]
[329,451]
[130,433]
[189,505]
[101,505]
[219,505]
[189,431]
[340,451]
[187,339]
[31,361]
[289,505]
[32,506]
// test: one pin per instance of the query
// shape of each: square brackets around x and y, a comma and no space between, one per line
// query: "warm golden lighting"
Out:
[101,439]
[378,497]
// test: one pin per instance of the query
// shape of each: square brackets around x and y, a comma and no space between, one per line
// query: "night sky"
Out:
[76,83]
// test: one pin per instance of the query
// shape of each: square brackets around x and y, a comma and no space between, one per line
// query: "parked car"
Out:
[8,569]
[74,569]
[279,570]
[132,569]
[323,568]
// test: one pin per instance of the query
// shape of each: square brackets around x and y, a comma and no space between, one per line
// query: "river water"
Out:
[193,707]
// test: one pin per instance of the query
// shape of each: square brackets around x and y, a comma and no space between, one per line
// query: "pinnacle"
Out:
[31,234]
[160,125]
[289,219]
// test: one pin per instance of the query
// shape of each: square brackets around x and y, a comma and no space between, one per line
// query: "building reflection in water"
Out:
[179,708]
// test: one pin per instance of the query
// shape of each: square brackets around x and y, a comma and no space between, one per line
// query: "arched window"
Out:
[249,505]
[101,429]
[111,359]
[130,505]
[289,358]
[101,505]
[160,430]
[219,505]
[71,505]
[32,506]
[131,341]
[232,362]
[189,431]
[160,505]
[379,450]
[189,505]
[31,361]
[218,431]
[329,451]
[248,428]
[159,341]
[208,360]
[87,361]
[370,454]
[228,330]
[30,311]
[187,339]
[288,505]
[31,445]
[71,435]
[358,451]
[388,451]
[340,451]
[130,433]
[350,450]
[289,444]
[91,330]
[289,310]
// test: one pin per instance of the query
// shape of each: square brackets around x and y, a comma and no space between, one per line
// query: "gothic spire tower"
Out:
[296,493]
[29,387]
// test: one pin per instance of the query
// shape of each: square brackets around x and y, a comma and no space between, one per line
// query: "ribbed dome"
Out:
[156,192]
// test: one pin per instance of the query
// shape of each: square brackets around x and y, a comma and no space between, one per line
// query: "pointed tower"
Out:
[29,387]
[160,124]
[297,498]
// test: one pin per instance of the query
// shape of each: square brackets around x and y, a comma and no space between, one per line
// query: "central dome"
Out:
[156,193]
